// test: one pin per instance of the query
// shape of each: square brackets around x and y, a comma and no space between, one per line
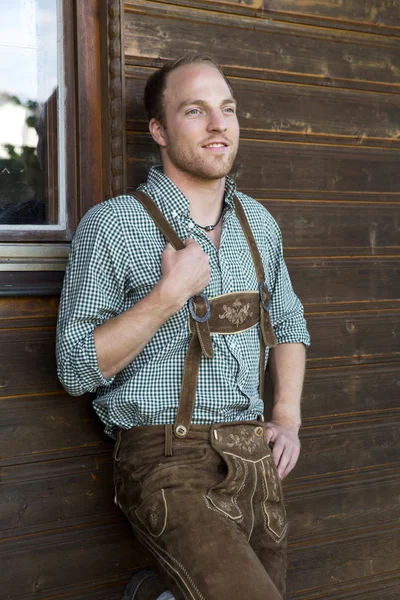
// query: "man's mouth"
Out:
[216,145]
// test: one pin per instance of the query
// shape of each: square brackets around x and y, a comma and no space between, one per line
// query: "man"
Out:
[174,338]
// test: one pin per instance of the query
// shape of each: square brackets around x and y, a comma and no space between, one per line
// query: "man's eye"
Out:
[229,109]
[193,111]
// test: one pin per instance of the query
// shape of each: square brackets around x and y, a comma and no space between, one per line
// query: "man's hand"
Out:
[285,446]
[185,272]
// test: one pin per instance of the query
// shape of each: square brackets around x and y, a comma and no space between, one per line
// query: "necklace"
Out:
[211,227]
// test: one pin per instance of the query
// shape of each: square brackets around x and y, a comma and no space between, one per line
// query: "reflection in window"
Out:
[28,112]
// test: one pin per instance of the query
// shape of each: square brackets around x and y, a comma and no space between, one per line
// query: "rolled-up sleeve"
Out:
[287,313]
[93,292]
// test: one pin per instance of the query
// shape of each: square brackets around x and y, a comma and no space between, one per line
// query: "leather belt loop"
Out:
[168,440]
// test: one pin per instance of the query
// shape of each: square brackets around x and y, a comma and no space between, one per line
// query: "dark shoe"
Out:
[146,584]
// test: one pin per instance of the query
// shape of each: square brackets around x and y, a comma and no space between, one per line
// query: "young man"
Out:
[174,337]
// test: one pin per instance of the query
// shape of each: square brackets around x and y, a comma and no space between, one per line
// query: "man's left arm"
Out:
[286,366]
[286,361]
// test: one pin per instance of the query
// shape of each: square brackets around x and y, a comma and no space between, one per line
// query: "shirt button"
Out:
[174,214]
[190,225]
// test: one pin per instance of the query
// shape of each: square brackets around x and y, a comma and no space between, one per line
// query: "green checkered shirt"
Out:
[115,261]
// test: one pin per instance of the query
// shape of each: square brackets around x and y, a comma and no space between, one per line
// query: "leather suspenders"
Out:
[226,315]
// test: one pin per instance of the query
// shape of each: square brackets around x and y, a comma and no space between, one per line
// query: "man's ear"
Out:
[157,132]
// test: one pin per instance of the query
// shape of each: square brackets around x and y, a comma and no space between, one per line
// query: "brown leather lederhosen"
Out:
[226,314]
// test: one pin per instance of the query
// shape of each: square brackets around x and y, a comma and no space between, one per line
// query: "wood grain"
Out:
[328,280]
[382,18]
[338,228]
[156,30]
[346,391]
[321,510]
[335,561]
[353,338]
[49,425]
[368,12]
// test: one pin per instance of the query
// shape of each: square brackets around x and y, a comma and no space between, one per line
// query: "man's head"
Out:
[192,116]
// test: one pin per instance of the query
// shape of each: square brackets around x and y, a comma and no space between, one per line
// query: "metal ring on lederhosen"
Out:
[227,314]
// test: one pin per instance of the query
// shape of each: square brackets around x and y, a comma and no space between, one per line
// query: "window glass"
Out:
[30,112]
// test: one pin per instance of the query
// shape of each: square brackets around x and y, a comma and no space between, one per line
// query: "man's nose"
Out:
[217,121]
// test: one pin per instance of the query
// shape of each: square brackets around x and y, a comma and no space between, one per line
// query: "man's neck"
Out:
[206,197]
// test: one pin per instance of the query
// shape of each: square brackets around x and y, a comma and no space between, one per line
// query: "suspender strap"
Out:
[267,335]
[265,296]
[188,389]
[159,219]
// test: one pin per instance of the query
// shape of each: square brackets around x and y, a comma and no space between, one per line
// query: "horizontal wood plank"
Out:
[321,510]
[383,586]
[27,311]
[346,391]
[326,280]
[323,228]
[69,559]
[365,16]
[56,493]
[324,565]
[353,338]
[44,426]
[30,283]
[369,11]
[154,30]
[348,447]
[27,361]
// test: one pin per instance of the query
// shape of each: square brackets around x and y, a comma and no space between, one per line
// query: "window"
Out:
[33,109]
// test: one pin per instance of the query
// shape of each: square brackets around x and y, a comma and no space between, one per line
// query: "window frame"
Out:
[95,150]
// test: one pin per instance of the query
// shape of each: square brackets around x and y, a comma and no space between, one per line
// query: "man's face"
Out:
[200,129]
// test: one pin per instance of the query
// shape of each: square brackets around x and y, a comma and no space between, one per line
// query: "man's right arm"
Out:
[119,340]
[96,336]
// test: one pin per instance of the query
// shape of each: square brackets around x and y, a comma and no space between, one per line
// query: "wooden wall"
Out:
[317,84]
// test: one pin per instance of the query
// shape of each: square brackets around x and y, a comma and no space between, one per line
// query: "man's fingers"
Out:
[277,450]
[292,463]
[285,459]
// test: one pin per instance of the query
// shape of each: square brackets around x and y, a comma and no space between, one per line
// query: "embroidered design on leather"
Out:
[244,441]
[273,483]
[225,497]
[153,516]
[237,313]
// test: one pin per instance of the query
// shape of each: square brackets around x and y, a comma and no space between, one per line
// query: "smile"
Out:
[215,145]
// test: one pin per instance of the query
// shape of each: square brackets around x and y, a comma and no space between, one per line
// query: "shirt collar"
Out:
[169,197]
